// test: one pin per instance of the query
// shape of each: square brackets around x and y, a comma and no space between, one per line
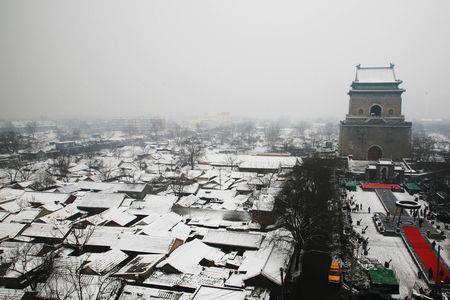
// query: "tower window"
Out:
[391,112]
[361,111]
[375,110]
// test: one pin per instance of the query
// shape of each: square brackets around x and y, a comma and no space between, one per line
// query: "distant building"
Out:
[138,125]
[374,127]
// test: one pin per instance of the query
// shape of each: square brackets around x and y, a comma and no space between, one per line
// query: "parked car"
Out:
[335,272]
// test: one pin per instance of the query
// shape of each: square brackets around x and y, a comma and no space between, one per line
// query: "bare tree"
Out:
[90,153]
[11,142]
[192,150]
[329,129]
[43,181]
[232,160]
[74,285]
[105,171]
[224,134]
[30,261]
[94,163]
[67,280]
[302,205]
[177,184]
[301,127]
[154,129]
[79,236]
[12,174]
[19,169]
[264,181]
[272,133]
[422,147]
[288,144]
[446,155]
[59,167]
[247,130]
[31,128]
[177,132]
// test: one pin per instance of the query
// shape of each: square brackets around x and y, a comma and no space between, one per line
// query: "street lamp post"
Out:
[438,281]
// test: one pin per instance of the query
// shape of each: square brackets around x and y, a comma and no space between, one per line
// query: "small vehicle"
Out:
[335,273]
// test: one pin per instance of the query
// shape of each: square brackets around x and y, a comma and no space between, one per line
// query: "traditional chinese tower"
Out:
[374,127]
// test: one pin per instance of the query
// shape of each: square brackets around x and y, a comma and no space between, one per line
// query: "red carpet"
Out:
[424,251]
[370,185]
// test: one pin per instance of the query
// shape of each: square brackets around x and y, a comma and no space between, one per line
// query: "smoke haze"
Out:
[250,58]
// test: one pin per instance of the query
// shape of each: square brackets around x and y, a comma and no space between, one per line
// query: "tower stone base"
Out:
[361,140]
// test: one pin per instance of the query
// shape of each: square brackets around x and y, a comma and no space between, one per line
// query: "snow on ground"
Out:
[385,248]
[367,199]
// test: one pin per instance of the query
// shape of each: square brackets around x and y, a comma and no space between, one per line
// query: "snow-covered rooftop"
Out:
[100,200]
[233,238]
[187,257]
[375,75]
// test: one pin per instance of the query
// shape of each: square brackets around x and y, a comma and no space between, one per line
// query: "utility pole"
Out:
[352,268]
[438,281]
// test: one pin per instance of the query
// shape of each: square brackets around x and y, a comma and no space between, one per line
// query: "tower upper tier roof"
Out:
[376,74]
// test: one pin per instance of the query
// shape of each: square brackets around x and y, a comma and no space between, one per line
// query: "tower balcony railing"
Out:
[350,119]
[363,117]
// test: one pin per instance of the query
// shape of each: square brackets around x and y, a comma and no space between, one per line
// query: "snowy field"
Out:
[385,248]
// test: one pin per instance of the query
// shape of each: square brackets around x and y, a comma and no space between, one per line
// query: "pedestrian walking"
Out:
[368,209]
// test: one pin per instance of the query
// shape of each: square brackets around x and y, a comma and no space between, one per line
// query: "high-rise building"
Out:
[374,127]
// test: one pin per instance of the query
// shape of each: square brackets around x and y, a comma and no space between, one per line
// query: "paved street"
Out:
[313,282]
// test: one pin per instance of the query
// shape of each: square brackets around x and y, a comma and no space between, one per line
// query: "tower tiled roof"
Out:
[376,74]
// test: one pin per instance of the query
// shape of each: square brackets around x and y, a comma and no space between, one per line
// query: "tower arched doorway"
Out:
[374,153]
[375,110]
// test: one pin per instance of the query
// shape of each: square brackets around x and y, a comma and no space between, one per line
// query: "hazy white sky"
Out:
[189,57]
